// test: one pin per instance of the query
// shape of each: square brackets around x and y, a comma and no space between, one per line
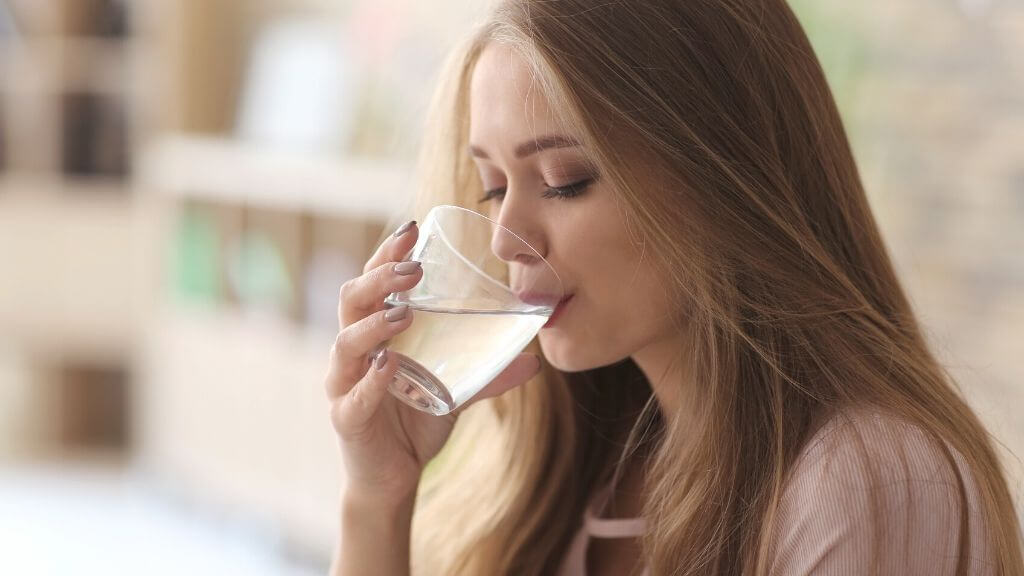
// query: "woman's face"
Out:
[541,187]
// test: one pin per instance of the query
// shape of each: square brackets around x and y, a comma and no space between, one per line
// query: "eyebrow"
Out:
[532,147]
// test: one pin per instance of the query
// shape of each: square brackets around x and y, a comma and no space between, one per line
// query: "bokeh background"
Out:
[184,185]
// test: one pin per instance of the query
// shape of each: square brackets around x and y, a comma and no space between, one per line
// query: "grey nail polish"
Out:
[381,359]
[376,350]
[406,268]
[404,228]
[396,313]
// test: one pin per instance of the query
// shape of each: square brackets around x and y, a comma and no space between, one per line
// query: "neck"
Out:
[659,361]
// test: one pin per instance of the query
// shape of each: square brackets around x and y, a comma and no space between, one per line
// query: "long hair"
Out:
[715,126]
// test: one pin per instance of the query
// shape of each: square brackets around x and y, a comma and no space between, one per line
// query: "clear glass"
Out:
[484,295]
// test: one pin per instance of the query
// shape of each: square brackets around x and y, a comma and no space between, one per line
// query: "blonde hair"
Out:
[767,241]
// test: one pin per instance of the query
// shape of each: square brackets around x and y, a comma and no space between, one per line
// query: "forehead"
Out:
[505,95]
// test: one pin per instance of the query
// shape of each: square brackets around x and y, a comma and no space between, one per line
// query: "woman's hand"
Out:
[385,444]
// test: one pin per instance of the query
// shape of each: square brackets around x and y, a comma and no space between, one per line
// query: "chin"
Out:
[558,352]
[561,353]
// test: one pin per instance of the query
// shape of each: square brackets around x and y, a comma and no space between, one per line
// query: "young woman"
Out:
[737,384]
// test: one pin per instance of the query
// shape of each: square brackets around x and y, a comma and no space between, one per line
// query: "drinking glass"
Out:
[485,293]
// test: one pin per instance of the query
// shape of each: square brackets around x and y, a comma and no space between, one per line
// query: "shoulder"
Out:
[871,493]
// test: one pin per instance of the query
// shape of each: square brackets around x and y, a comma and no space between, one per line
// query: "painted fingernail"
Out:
[406,268]
[380,359]
[404,228]
[396,313]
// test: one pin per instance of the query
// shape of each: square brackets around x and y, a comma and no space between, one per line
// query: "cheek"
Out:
[618,309]
[628,305]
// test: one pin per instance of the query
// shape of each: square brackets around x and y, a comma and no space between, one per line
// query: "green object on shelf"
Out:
[259,274]
[196,276]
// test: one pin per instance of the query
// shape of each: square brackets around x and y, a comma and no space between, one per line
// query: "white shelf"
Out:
[232,172]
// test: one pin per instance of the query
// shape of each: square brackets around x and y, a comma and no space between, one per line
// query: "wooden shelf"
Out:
[227,171]
[69,285]
[29,65]
[59,64]
[233,408]
[24,186]
[76,246]
[97,65]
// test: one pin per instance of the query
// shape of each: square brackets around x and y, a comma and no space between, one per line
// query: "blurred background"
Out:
[184,185]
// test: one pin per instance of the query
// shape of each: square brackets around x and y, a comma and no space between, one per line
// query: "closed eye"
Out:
[492,194]
[561,192]
[569,190]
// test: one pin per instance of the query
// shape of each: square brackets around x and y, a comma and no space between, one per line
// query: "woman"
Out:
[737,384]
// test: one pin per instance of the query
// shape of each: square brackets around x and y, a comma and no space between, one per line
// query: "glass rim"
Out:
[561,286]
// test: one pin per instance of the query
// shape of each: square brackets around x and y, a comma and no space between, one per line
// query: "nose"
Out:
[520,219]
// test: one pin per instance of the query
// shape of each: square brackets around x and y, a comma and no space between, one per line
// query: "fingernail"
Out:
[406,268]
[396,313]
[404,228]
[380,359]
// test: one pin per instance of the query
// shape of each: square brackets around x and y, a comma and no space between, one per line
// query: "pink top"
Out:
[826,516]
[596,527]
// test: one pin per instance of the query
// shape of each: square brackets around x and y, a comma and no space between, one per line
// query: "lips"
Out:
[540,299]
[558,311]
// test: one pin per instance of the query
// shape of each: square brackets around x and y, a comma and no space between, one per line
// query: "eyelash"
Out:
[561,192]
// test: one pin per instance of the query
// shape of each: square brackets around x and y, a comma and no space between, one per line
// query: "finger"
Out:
[518,372]
[395,247]
[352,413]
[353,345]
[365,294]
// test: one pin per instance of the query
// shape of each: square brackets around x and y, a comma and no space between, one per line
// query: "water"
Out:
[450,354]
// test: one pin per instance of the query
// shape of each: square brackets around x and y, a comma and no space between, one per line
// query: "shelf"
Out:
[227,171]
[26,186]
[71,267]
[104,18]
[30,65]
[97,65]
[232,409]
[56,64]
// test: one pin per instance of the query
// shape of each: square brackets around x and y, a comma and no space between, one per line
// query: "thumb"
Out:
[518,372]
